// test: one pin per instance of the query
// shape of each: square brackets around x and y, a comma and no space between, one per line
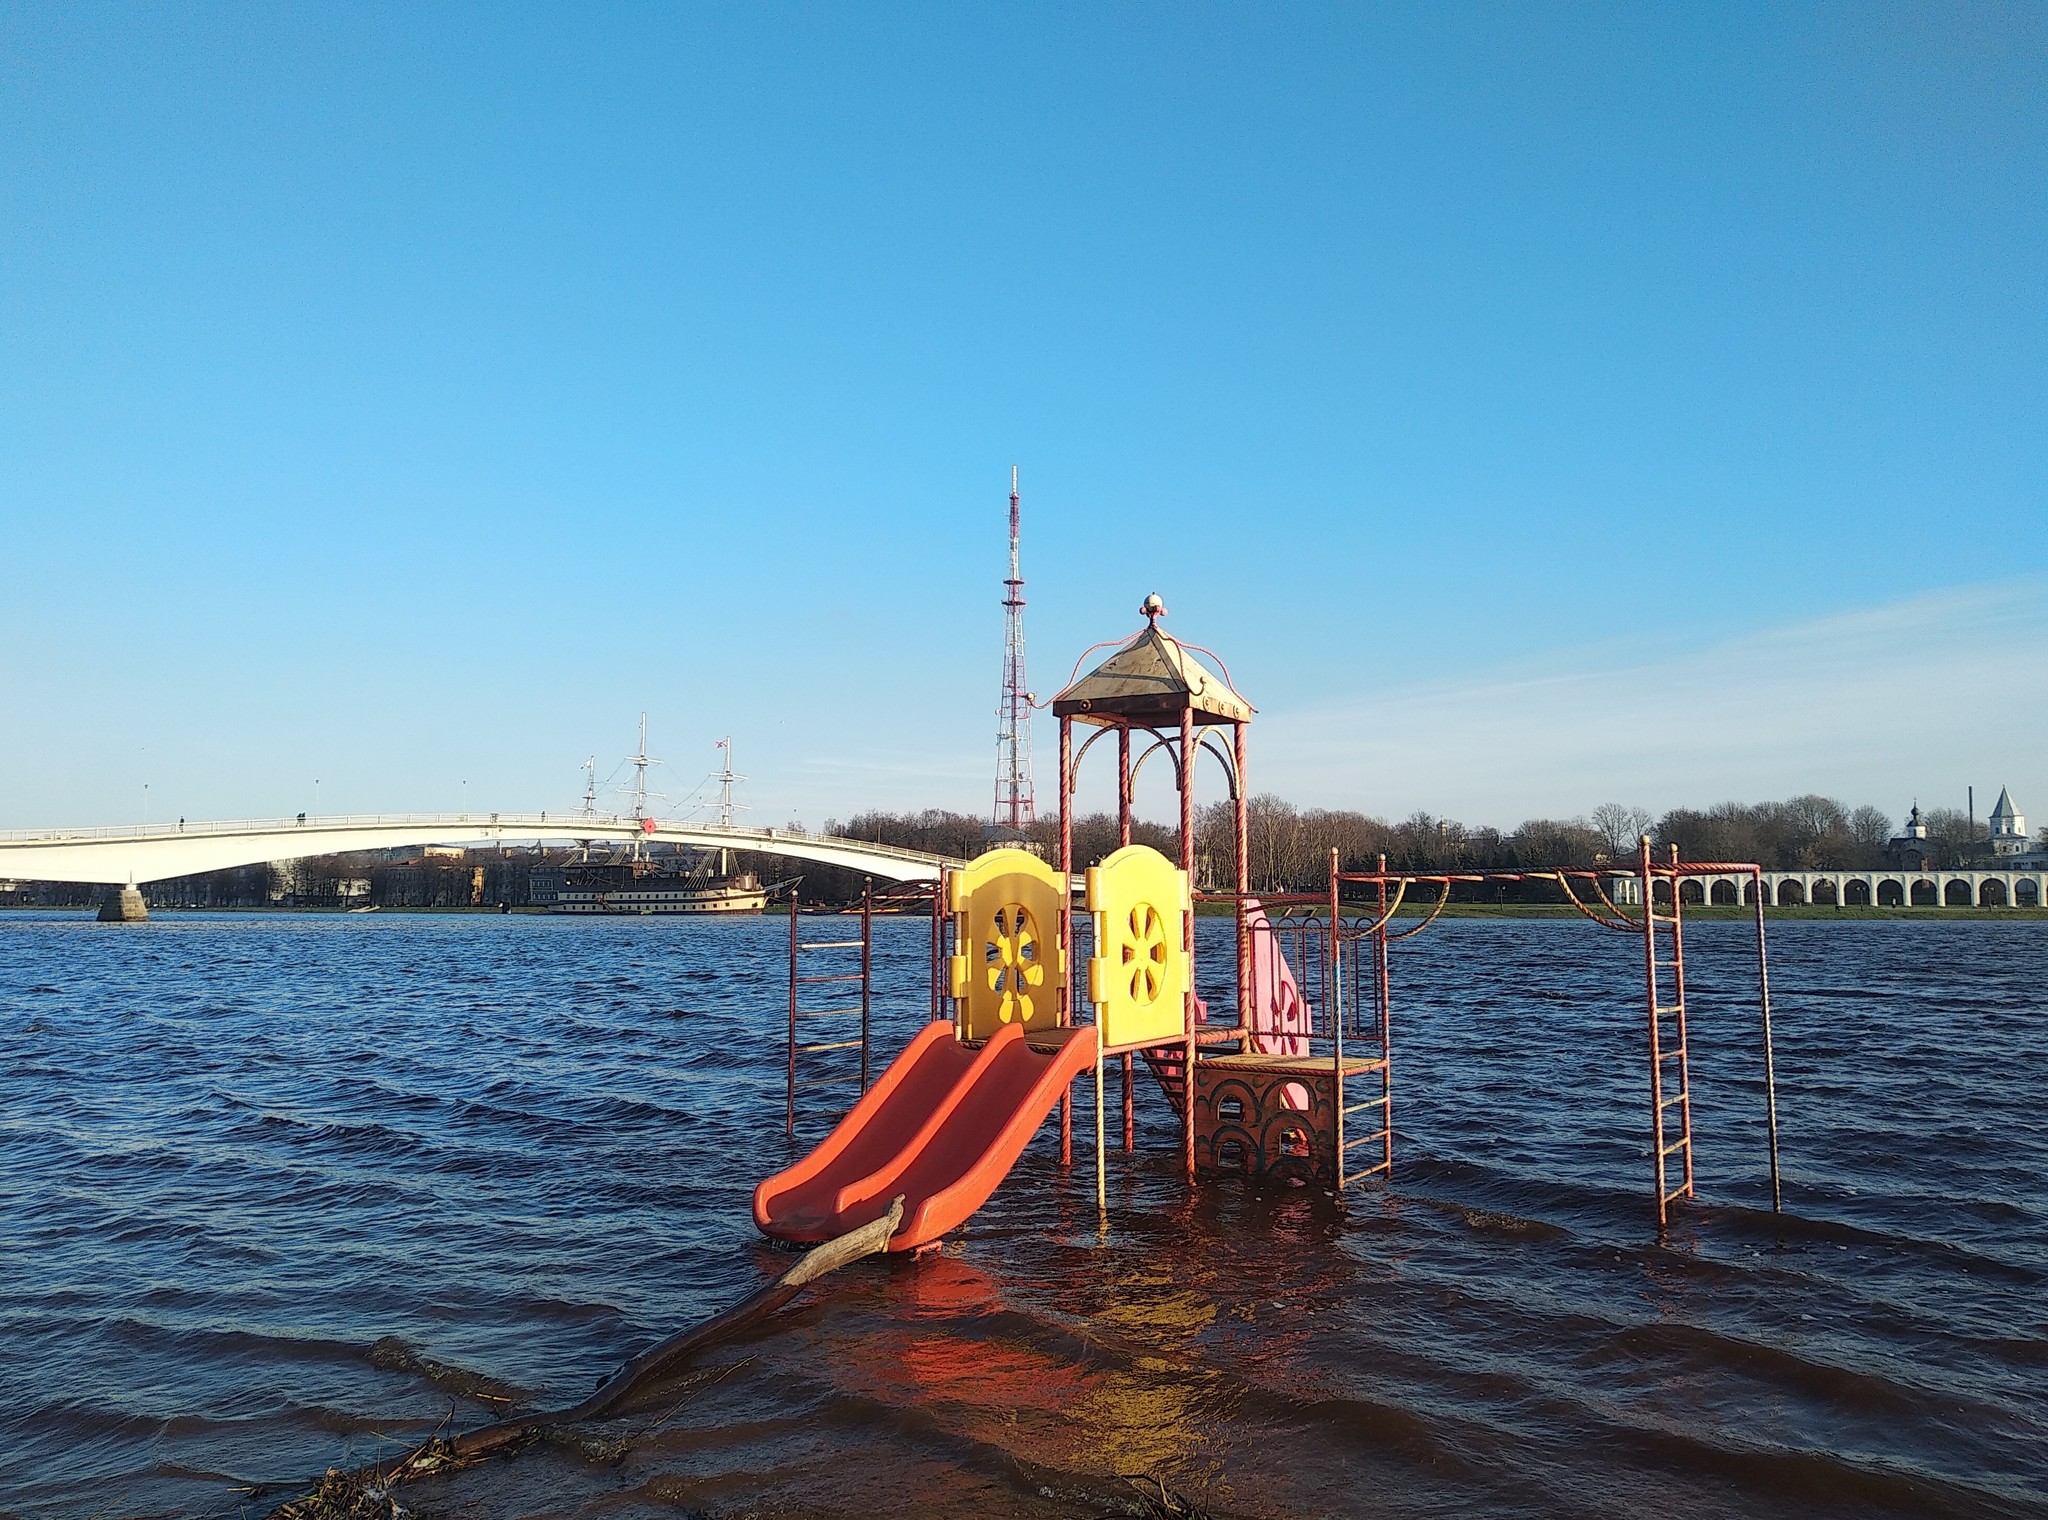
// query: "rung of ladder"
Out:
[833,944]
[827,1081]
[1677,1145]
[1378,1134]
[812,1050]
[1380,1102]
[1674,1098]
[1672,1054]
[843,976]
[826,1013]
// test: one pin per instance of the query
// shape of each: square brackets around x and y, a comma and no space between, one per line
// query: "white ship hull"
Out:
[653,897]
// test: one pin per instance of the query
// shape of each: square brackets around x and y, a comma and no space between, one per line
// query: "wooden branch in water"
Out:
[616,1389]
[441,1455]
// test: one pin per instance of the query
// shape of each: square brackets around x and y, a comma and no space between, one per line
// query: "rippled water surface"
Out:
[283,1192]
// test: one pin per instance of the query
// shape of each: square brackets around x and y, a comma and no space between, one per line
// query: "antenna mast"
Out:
[1015,810]
[590,787]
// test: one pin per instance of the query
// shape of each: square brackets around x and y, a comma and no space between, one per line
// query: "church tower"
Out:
[2008,827]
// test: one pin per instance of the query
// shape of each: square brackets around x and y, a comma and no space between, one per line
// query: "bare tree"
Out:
[1871,828]
[1953,835]
[1620,827]
[1555,842]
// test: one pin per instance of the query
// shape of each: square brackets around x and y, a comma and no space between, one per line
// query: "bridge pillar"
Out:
[124,905]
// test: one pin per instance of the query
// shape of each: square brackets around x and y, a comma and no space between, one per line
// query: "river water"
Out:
[285,1192]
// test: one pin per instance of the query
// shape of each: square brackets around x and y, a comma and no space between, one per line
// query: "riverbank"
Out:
[1519,912]
[1523,912]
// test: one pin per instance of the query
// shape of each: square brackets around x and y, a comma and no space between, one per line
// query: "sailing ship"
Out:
[632,881]
[657,886]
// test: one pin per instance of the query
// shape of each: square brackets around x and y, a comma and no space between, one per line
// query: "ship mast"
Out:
[725,779]
[1014,809]
[640,764]
[725,803]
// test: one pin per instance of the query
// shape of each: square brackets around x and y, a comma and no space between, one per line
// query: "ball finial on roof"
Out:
[1153,608]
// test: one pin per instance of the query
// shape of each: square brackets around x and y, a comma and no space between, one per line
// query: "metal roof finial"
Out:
[1153,608]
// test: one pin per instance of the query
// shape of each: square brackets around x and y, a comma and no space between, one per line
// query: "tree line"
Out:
[1288,847]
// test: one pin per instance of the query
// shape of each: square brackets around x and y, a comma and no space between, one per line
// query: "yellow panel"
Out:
[1138,978]
[1011,965]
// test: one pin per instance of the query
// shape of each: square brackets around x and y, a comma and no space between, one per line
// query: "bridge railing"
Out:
[308,821]
[507,825]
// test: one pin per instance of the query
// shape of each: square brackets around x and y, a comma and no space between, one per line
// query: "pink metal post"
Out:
[1187,864]
[1123,837]
[1333,1010]
[1763,988]
[1242,837]
[1066,1005]
[789,1114]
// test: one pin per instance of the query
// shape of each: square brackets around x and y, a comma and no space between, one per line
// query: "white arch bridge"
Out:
[135,855]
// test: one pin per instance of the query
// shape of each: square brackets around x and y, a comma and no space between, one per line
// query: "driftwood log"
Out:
[342,1492]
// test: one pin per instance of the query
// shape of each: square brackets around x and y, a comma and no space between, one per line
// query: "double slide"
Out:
[942,1127]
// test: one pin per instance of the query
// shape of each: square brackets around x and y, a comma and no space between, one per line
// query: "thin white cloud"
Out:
[1916,699]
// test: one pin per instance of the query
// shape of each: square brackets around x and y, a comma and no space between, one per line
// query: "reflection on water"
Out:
[241,1152]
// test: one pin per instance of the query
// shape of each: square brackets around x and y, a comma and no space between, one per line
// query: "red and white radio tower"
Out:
[1015,810]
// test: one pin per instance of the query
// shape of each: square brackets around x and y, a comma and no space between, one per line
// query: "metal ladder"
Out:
[1376,1040]
[800,979]
[1670,1068]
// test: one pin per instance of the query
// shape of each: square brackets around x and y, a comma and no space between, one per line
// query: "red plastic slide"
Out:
[943,1127]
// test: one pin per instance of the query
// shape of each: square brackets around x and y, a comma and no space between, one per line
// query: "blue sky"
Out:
[409,397]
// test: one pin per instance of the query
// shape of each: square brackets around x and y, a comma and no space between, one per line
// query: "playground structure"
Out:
[1291,1082]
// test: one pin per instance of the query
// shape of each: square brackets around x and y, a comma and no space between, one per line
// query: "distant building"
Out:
[2008,827]
[1909,851]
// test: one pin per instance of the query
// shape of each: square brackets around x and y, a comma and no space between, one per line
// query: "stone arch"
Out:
[1855,893]
[1891,893]
[2026,893]
[1956,894]
[1660,892]
[1925,893]
[1690,891]
[1991,894]
[1824,894]
[1749,893]
[1791,894]
[1724,892]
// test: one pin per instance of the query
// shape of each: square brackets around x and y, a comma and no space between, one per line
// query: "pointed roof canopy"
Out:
[2005,809]
[1151,679]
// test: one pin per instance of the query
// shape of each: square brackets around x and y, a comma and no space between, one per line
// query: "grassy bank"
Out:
[1693,911]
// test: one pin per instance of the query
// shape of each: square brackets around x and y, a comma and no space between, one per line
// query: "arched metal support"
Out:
[1159,741]
[1620,920]
[1074,766]
[1434,913]
[1211,741]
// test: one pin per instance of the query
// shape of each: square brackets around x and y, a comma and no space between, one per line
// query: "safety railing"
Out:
[1657,917]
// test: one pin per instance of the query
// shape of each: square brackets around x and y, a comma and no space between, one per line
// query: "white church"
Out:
[2011,850]
[2009,843]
